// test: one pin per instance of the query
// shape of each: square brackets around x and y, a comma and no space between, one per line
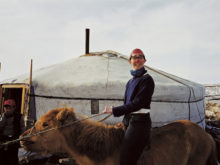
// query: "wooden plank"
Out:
[94,106]
[1,100]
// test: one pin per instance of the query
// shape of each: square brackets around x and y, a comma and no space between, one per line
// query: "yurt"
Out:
[92,81]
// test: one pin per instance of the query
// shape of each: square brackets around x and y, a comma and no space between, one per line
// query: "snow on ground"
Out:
[212,93]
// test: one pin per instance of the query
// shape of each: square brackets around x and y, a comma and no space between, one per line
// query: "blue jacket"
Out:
[140,97]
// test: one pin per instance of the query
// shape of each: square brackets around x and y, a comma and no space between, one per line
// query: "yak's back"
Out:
[180,139]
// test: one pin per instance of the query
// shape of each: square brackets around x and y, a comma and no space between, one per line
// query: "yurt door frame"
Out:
[16,92]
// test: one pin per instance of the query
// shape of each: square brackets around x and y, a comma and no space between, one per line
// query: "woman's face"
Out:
[137,61]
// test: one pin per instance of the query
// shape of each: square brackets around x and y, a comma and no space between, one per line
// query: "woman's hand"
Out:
[108,109]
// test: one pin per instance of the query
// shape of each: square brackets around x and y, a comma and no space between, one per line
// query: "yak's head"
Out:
[46,136]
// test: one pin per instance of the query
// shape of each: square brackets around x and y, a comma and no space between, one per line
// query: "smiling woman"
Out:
[137,59]
[136,110]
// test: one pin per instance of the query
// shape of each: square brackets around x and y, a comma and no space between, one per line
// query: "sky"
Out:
[181,37]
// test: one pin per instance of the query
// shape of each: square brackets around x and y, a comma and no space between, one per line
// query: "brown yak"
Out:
[94,143]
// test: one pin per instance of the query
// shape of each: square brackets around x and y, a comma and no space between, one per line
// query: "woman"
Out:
[136,108]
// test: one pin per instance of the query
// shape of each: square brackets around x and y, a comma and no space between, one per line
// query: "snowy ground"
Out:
[212,93]
[213,96]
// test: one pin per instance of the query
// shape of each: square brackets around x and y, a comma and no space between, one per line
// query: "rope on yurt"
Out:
[73,98]
[106,99]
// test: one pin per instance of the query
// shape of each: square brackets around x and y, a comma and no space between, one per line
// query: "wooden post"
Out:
[87,41]
[26,115]
[30,80]
[1,100]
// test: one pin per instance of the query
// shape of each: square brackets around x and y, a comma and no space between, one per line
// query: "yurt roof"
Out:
[103,75]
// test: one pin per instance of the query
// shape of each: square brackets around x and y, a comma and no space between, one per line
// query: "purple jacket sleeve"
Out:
[141,98]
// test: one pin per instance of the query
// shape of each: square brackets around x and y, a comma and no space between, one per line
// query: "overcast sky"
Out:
[181,37]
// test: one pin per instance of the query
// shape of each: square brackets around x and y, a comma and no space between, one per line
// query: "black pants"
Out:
[137,136]
[9,154]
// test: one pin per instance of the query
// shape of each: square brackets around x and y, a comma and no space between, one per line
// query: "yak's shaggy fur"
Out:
[95,143]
